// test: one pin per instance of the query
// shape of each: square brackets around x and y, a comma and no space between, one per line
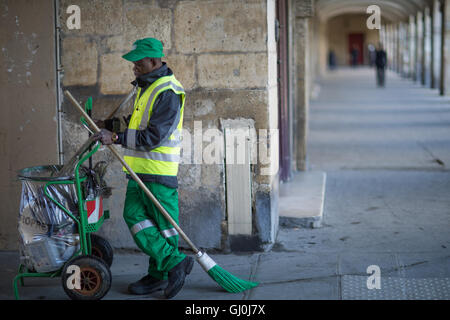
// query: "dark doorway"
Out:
[356,48]
[283,92]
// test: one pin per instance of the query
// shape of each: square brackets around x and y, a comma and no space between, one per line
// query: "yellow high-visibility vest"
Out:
[163,160]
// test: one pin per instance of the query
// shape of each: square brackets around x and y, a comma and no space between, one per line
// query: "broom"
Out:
[225,279]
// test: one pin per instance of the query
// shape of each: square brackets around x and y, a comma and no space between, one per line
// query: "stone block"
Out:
[103,106]
[190,174]
[143,20]
[302,200]
[232,71]
[212,26]
[74,135]
[201,212]
[117,44]
[304,8]
[184,69]
[79,60]
[97,17]
[115,74]
[212,175]
[266,214]
[208,105]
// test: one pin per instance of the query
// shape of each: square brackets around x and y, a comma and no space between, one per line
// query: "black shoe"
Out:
[177,275]
[146,285]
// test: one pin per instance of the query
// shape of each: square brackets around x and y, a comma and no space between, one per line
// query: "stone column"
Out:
[419,47]
[394,47]
[433,47]
[445,58]
[412,48]
[389,46]
[428,46]
[392,44]
[432,63]
[303,12]
[398,47]
[424,66]
[436,21]
[402,40]
[422,48]
[382,36]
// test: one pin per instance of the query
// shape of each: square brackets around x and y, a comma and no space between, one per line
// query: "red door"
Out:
[356,48]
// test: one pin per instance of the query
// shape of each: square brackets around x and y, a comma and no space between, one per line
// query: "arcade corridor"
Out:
[386,154]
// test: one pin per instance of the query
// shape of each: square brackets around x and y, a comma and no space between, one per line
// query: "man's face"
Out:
[143,66]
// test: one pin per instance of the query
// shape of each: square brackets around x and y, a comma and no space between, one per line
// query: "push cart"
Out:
[61,208]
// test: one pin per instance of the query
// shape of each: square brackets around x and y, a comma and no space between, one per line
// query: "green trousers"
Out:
[153,234]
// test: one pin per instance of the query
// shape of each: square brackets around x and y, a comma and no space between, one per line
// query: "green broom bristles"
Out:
[225,279]
[228,281]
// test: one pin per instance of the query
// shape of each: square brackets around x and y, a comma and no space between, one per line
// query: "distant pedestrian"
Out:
[332,60]
[354,56]
[380,63]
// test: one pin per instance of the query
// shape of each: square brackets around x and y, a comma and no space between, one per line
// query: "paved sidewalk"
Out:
[386,204]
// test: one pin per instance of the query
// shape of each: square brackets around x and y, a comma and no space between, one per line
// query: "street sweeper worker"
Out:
[152,144]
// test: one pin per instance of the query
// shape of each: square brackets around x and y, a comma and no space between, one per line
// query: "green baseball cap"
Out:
[145,48]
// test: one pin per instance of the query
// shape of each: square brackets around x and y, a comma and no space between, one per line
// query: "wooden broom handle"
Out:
[133,174]
[130,95]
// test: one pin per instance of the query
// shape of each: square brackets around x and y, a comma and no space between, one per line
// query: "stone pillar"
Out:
[426,45]
[432,62]
[436,24]
[402,40]
[302,98]
[382,35]
[419,46]
[303,12]
[389,46]
[412,48]
[394,47]
[406,46]
[445,59]
[400,44]
[398,47]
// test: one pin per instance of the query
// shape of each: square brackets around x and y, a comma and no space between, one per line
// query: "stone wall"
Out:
[221,52]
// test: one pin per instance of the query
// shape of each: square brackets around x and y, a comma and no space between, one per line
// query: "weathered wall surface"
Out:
[219,51]
[28,124]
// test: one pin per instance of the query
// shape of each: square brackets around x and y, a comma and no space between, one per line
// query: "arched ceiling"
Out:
[391,10]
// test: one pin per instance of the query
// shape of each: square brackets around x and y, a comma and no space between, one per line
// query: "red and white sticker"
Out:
[94,210]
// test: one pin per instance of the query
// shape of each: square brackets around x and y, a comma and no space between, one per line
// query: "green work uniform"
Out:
[153,234]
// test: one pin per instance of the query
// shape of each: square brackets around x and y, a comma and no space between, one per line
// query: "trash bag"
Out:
[48,236]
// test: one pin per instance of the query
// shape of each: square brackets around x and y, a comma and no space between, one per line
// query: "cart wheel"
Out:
[95,278]
[102,249]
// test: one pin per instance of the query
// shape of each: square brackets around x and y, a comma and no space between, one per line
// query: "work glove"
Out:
[105,136]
